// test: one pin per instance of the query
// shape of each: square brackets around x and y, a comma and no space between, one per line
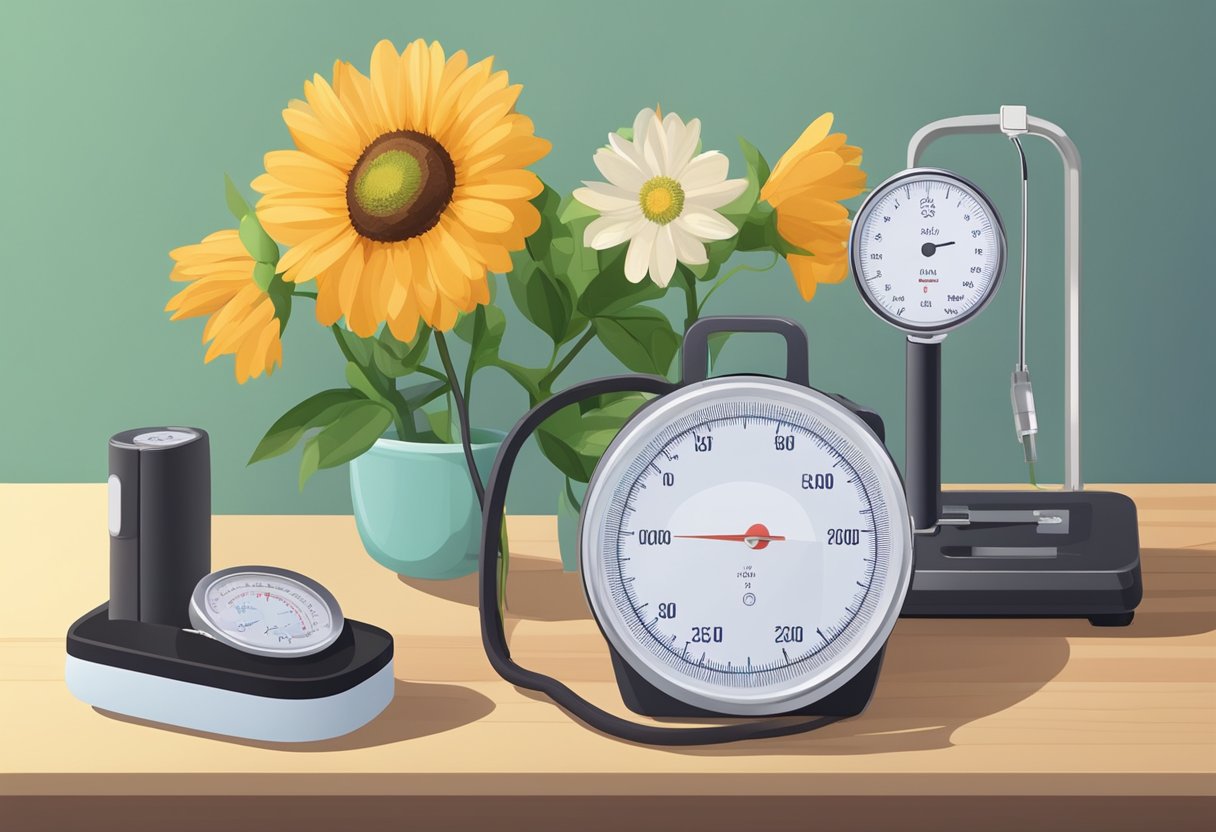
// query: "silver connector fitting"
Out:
[1025,422]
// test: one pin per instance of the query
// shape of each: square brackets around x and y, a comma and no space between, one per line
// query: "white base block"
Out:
[226,712]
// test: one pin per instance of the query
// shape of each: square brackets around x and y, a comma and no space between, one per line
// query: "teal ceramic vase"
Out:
[415,507]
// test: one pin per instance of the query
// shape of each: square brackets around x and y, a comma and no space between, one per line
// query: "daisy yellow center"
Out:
[400,186]
[662,199]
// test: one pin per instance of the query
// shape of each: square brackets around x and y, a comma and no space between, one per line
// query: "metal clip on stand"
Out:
[1069,553]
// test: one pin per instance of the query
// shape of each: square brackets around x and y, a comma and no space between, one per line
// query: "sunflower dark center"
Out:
[400,186]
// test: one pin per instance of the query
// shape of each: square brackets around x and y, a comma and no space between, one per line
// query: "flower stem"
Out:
[692,310]
[462,416]
[561,366]
[742,267]
[300,293]
[462,413]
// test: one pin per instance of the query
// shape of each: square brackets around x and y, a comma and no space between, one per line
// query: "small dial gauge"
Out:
[928,250]
[267,611]
[745,545]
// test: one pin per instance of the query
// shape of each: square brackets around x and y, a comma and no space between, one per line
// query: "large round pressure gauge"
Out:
[928,250]
[746,545]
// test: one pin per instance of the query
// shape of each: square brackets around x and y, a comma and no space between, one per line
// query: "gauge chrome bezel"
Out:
[609,479]
[859,224]
[200,616]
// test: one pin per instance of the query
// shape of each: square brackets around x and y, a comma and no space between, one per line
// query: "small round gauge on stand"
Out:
[267,611]
[928,254]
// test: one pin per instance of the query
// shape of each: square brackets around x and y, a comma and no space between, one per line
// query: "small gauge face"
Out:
[928,250]
[267,611]
[746,546]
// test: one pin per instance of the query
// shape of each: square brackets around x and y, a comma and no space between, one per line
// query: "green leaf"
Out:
[641,338]
[355,429]
[717,253]
[738,210]
[237,205]
[280,295]
[257,242]
[358,379]
[571,257]
[396,358]
[313,412]
[574,438]
[528,378]
[441,425]
[482,329]
[573,211]
[547,202]
[360,348]
[611,292]
[545,301]
[419,395]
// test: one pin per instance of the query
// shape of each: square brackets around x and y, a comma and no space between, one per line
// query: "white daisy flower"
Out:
[659,197]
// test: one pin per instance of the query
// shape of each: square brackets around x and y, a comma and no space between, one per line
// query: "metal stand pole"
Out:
[923,454]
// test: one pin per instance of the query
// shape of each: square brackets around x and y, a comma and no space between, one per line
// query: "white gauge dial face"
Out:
[269,613]
[928,250]
[748,549]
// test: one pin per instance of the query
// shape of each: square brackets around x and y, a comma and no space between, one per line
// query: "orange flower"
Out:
[406,186]
[242,320]
[806,189]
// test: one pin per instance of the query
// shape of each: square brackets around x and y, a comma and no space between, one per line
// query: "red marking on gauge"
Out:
[756,537]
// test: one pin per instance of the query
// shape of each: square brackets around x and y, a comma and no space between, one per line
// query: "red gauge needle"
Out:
[756,537]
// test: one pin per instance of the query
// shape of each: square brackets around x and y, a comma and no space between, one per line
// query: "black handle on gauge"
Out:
[694,358]
[493,634]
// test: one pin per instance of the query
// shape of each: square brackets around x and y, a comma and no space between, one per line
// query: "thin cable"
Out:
[1022,305]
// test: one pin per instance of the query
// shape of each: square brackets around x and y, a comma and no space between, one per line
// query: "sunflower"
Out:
[806,187]
[405,187]
[242,318]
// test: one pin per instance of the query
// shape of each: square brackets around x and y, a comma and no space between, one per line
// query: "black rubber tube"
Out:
[493,634]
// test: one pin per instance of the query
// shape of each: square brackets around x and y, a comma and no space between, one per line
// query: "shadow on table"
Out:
[418,709]
[941,674]
[1168,612]
[537,590]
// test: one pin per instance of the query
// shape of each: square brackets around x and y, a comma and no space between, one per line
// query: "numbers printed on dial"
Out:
[745,546]
[844,537]
[943,249]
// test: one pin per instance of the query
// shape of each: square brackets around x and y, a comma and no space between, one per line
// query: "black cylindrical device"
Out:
[923,440]
[160,522]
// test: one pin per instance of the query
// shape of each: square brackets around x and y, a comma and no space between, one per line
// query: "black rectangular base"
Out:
[995,569]
[643,698]
[185,656]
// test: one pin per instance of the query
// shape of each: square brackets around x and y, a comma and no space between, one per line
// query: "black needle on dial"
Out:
[929,249]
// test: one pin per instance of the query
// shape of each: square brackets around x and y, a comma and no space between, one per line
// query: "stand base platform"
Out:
[172,676]
[645,699]
[1085,567]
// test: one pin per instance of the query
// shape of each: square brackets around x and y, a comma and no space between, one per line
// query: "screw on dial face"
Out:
[928,250]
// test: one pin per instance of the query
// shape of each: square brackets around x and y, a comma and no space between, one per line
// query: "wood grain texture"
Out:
[964,708]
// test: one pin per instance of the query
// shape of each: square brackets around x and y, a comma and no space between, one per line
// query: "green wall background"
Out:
[119,120]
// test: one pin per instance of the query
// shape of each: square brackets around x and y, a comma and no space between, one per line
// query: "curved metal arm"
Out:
[1072,259]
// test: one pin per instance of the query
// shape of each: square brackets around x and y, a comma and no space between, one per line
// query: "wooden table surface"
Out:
[1110,725]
